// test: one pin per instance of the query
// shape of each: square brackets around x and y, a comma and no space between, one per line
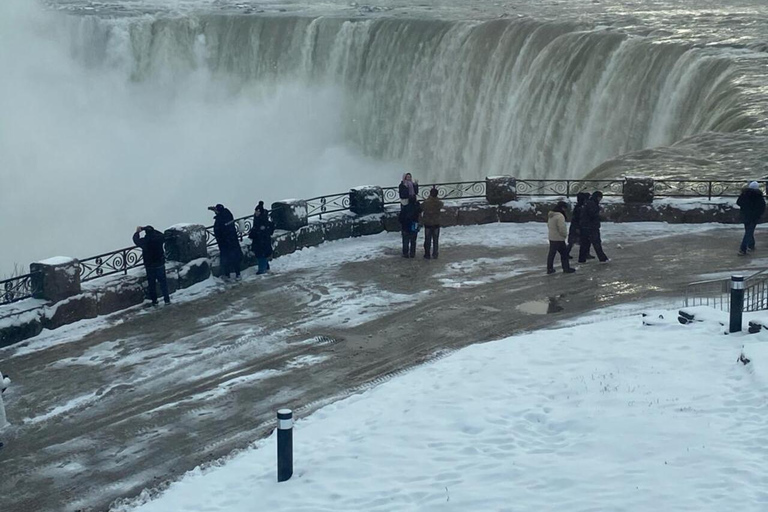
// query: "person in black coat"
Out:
[225,232]
[409,225]
[589,225]
[752,205]
[407,189]
[574,232]
[261,234]
[153,254]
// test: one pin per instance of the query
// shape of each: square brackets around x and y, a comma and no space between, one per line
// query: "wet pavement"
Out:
[148,395]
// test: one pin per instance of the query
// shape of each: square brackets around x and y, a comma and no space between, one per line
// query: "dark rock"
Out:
[71,310]
[449,216]
[474,214]
[525,211]
[310,236]
[118,297]
[194,272]
[186,242]
[366,200]
[638,190]
[284,243]
[21,327]
[390,221]
[55,279]
[338,228]
[500,189]
[368,225]
[289,214]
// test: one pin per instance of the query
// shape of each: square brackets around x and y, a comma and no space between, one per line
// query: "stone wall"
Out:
[121,292]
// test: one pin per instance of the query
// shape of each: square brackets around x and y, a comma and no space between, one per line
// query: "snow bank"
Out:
[612,415]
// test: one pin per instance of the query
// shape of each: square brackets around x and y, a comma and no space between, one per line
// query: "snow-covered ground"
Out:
[610,414]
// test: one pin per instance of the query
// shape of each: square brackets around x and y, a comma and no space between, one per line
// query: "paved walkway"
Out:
[109,407]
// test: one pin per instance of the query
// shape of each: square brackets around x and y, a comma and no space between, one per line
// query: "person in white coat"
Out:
[557,236]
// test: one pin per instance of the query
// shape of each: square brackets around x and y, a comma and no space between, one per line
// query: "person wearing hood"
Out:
[261,234]
[4,383]
[225,232]
[752,205]
[153,254]
[557,235]
[430,219]
[574,233]
[589,224]
[408,189]
[409,225]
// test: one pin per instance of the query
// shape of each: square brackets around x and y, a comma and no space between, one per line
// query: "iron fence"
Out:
[716,293]
[123,260]
[16,288]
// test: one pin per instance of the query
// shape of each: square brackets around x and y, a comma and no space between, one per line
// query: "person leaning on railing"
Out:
[153,254]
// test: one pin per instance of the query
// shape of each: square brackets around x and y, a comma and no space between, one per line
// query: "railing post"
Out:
[709,191]
[737,303]
[568,189]
[284,444]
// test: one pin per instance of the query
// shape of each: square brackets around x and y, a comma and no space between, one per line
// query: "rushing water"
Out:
[133,112]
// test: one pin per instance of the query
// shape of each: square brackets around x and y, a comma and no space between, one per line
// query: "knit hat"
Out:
[754,185]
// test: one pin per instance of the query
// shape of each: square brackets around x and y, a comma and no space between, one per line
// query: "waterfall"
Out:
[449,99]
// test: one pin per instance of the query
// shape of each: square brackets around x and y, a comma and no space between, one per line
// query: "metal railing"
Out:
[16,288]
[716,293]
[123,260]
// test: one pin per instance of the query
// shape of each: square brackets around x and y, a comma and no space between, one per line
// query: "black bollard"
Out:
[737,303]
[284,444]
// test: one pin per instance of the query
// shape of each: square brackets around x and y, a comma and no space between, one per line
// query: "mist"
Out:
[88,153]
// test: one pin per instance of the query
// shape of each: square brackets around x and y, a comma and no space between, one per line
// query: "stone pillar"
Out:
[638,190]
[500,189]
[186,242]
[366,200]
[289,214]
[56,278]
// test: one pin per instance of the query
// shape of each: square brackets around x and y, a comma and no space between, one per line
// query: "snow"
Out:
[58,261]
[611,415]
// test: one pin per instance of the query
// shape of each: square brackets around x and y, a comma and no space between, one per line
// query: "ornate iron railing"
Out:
[16,288]
[318,206]
[454,190]
[110,263]
[697,188]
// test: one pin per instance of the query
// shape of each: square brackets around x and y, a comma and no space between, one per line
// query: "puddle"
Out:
[541,307]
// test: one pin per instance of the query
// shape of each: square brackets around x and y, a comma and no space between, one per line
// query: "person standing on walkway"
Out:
[557,235]
[574,233]
[4,383]
[408,189]
[430,219]
[752,205]
[590,229]
[261,234]
[409,225]
[230,253]
[153,253]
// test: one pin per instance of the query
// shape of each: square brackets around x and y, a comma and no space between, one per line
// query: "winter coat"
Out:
[574,230]
[752,204]
[403,189]
[409,217]
[431,212]
[556,226]
[225,231]
[261,234]
[152,250]
[589,218]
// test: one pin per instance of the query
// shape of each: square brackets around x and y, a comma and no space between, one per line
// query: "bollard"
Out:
[737,303]
[284,444]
